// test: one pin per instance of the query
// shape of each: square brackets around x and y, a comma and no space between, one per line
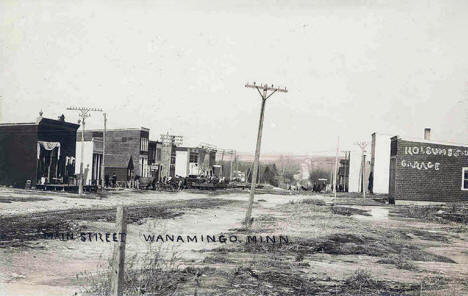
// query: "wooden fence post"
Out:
[118,262]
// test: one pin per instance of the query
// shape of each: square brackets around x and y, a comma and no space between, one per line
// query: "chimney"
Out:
[427,134]
[40,117]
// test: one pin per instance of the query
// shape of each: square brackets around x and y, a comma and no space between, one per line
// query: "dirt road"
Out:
[32,265]
[346,246]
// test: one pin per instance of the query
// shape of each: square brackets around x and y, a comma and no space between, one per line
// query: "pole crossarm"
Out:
[265,87]
[227,151]
[207,146]
[84,109]
[168,139]
[362,145]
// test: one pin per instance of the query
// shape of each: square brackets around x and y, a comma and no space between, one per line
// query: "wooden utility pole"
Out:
[336,167]
[118,262]
[265,88]
[222,163]
[331,177]
[233,158]
[363,146]
[84,113]
[103,176]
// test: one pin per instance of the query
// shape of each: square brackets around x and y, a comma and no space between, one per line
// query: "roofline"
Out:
[119,129]
[431,142]
[38,121]
[19,123]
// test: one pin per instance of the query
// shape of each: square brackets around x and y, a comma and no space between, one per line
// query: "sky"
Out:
[351,67]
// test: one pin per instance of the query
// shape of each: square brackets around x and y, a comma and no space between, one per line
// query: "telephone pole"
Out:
[264,95]
[84,113]
[233,159]
[103,176]
[363,146]
[336,167]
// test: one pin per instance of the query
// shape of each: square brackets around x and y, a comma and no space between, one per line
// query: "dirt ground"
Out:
[343,246]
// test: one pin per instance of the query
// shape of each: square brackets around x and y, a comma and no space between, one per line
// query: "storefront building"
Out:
[126,151]
[427,170]
[41,152]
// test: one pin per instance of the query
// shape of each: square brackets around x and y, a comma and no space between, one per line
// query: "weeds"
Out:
[149,274]
[362,278]
[346,211]
[313,201]
[400,261]
[454,212]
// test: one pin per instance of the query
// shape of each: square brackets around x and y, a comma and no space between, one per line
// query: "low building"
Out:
[380,163]
[126,151]
[42,152]
[428,170]
[92,160]
[194,161]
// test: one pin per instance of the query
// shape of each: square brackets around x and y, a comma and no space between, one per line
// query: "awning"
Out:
[47,146]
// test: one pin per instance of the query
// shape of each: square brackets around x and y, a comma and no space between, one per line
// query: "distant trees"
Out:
[316,174]
[268,174]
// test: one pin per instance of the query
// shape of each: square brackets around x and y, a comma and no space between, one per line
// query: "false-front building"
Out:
[41,152]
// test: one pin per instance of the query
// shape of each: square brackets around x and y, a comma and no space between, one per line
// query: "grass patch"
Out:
[342,244]
[362,278]
[346,211]
[452,212]
[313,201]
[10,199]
[401,262]
[217,259]
[151,274]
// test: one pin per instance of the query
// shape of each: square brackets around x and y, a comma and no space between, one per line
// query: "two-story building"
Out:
[126,151]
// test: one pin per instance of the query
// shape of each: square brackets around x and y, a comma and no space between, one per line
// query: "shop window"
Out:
[158,154]
[465,179]
[144,144]
[193,157]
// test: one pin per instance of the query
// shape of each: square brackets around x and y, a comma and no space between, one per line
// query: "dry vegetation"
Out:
[330,252]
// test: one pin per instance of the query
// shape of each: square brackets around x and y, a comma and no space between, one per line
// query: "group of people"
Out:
[131,182]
